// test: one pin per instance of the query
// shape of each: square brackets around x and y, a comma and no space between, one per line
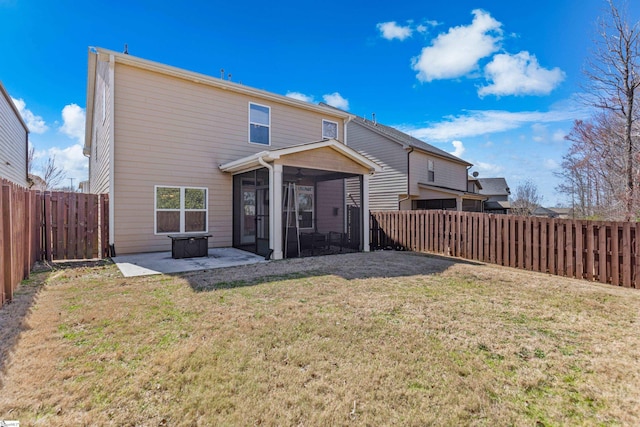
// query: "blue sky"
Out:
[493,83]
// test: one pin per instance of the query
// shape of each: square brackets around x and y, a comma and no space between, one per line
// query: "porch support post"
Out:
[365,213]
[275,211]
[459,204]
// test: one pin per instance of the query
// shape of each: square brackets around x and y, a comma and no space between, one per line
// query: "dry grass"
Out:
[386,338]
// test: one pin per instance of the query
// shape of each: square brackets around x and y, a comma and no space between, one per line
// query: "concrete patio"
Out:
[162,263]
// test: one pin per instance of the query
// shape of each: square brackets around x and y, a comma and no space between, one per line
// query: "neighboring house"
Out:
[184,153]
[37,183]
[545,212]
[497,192]
[415,175]
[14,143]
[563,213]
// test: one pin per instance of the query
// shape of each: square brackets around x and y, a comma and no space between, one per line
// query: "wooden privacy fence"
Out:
[73,225]
[608,252]
[18,236]
[50,226]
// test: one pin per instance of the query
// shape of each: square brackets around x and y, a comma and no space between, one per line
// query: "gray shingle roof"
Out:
[494,187]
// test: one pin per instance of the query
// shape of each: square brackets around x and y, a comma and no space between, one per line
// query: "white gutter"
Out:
[345,122]
[112,156]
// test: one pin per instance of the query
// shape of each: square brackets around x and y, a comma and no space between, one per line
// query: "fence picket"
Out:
[614,259]
[605,252]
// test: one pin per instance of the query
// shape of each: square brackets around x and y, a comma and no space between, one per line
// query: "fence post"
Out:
[3,209]
[579,264]
[7,244]
[615,254]
[626,254]
[602,254]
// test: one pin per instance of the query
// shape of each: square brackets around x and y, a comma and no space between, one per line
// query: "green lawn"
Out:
[387,338]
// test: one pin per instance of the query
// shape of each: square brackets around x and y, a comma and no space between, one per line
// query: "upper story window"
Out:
[329,130]
[259,124]
[431,174]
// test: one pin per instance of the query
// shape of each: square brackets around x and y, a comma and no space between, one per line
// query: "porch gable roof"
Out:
[255,160]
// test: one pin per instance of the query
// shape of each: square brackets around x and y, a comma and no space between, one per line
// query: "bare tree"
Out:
[613,78]
[593,170]
[53,175]
[31,155]
[526,199]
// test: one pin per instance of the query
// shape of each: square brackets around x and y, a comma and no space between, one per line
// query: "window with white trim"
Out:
[180,210]
[259,124]
[329,130]
[431,174]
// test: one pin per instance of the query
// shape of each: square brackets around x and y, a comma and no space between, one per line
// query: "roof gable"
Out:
[255,160]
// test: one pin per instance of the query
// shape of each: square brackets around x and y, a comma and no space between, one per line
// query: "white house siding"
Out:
[175,132]
[13,141]
[99,160]
[446,173]
[386,186]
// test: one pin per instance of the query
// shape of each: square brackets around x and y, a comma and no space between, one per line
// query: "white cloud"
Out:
[519,74]
[539,132]
[300,96]
[73,162]
[475,123]
[488,168]
[336,100]
[457,52]
[391,30]
[551,164]
[73,117]
[558,136]
[458,148]
[36,124]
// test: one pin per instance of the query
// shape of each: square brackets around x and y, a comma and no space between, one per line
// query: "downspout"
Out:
[408,179]
[344,129]
[272,208]
[112,156]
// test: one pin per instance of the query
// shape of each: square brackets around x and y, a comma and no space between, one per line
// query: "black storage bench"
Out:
[189,245]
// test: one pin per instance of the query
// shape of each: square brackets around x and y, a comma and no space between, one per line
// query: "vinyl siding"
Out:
[13,142]
[384,187]
[323,158]
[100,156]
[174,132]
[446,173]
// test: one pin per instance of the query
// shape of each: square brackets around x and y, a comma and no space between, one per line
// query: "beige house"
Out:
[184,153]
[13,141]
[415,175]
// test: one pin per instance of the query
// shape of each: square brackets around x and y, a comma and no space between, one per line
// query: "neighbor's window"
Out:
[259,124]
[329,130]
[181,210]
[431,175]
